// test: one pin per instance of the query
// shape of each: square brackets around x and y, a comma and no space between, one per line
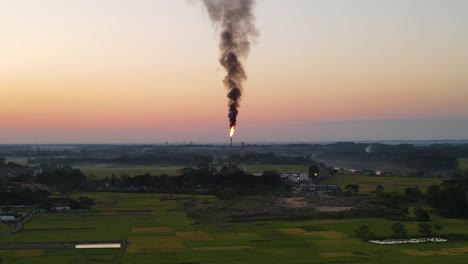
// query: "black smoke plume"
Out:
[236,22]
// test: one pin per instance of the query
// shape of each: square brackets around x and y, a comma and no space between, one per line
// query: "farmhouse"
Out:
[295,177]
[60,204]
[33,186]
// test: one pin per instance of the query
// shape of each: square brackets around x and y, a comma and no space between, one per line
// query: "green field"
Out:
[160,232]
[390,183]
[463,163]
[5,227]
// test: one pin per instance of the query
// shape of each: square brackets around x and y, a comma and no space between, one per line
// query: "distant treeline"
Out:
[22,197]
[227,181]
[432,157]
[451,197]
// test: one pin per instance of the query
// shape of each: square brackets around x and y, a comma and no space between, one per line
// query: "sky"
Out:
[146,71]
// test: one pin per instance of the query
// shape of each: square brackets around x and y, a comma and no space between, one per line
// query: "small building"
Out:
[60,204]
[317,188]
[7,219]
[33,186]
[295,177]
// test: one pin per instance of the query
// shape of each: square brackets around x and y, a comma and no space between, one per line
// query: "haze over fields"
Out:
[147,71]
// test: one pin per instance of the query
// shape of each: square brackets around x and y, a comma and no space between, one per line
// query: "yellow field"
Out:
[442,252]
[159,229]
[154,244]
[193,235]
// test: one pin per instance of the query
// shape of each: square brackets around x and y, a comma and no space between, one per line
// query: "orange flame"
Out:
[231,131]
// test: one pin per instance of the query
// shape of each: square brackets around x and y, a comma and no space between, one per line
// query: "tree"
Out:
[413,192]
[6,208]
[420,214]
[352,188]
[364,232]
[399,230]
[425,229]
[438,228]
[2,161]
[271,178]
[379,189]
[404,211]
[434,193]
[314,171]
[86,202]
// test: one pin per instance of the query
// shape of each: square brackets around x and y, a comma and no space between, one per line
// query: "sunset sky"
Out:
[146,71]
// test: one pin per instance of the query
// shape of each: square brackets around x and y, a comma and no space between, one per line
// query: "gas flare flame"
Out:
[231,131]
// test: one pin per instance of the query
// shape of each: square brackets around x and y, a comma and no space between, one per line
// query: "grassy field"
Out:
[463,163]
[390,183]
[5,227]
[160,232]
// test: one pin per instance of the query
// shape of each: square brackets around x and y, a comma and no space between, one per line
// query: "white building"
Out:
[7,219]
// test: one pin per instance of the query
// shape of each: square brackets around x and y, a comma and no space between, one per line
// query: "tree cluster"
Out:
[229,179]
[451,197]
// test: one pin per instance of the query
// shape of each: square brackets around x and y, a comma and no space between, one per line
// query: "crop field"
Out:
[160,232]
[106,170]
[390,183]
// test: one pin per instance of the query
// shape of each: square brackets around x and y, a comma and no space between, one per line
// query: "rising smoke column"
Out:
[236,22]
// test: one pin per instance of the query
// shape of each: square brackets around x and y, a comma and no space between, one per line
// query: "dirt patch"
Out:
[155,244]
[323,206]
[292,231]
[292,202]
[446,252]
[332,208]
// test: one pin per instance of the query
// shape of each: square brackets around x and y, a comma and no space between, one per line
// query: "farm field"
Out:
[160,232]
[390,183]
